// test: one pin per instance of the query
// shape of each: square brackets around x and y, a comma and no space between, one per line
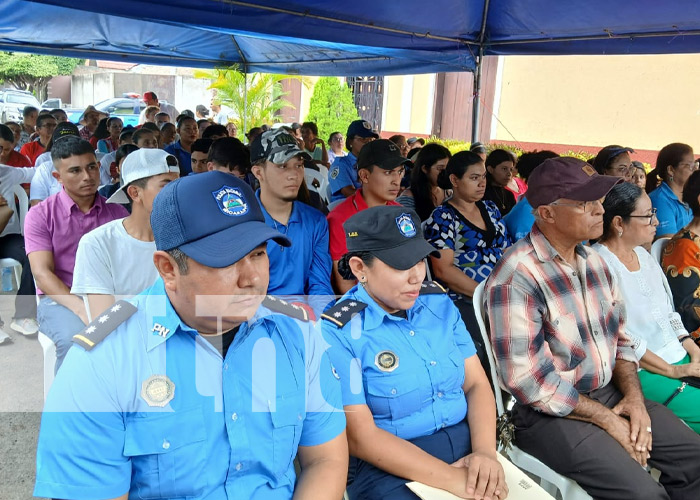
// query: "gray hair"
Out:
[180,258]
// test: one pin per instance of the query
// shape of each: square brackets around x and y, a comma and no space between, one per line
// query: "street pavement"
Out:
[21,399]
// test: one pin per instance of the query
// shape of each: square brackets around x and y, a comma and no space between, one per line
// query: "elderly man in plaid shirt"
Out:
[557,326]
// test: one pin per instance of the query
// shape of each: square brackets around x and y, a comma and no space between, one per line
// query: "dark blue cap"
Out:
[361,128]
[213,217]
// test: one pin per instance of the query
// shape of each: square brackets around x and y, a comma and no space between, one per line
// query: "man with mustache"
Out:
[52,231]
[201,386]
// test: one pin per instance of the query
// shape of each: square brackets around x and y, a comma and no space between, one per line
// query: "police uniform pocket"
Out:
[167,457]
[393,396]
[287,423]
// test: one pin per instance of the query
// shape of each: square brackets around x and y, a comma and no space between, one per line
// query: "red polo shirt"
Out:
[32,150]
[17,159]
[338,216]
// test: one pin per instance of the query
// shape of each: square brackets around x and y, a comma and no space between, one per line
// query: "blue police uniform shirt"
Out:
[343,173]
[672,214]
[519,220]
[423,391]
[184,159]
[305,267]
[231,429]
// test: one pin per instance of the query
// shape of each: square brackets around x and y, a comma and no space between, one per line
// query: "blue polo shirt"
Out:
[422,392]
[216,438]
[519,220]
[672,214]
[184,159]
[343,173]
[305,267]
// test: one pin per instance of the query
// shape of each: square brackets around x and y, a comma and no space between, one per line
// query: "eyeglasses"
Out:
[651,216]
[622,170]
[587,206]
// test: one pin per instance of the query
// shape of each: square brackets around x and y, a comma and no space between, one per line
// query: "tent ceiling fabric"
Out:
[318,37]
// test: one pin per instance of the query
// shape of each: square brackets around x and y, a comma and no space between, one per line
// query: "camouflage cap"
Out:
[277,146]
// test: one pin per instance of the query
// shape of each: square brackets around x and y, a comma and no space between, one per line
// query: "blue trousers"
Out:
[59,324]
[366,482]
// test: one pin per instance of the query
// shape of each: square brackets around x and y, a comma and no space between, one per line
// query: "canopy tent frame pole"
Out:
[476,96]
[245,99]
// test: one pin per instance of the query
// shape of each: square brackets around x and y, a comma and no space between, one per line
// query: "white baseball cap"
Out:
[142,163]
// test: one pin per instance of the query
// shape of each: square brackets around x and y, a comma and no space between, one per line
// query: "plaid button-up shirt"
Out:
[556,330]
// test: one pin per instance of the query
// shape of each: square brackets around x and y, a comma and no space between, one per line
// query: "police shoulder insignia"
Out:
[431,287]
[284,307]
[104,324]
[343,311]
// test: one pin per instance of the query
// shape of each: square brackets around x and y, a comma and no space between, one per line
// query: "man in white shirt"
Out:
[116,260]
[151,99]
[222,113]
[12,246]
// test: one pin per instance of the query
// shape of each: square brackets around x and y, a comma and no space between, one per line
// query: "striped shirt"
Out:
[556,330]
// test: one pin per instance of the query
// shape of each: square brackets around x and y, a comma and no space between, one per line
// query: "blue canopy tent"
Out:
[360,37]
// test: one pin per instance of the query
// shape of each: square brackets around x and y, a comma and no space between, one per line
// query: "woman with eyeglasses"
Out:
[500,169]
[664,347]
[674,164]
[470,235]
[419,406]
[335,144]
[614,160]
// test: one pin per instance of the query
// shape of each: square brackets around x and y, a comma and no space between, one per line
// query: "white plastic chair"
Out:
[49,350]
[549,480]
[21,195]
[657,248]
[317,180]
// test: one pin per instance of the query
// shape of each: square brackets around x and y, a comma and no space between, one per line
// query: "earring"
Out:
[363,281]
[619,234]
[670,178]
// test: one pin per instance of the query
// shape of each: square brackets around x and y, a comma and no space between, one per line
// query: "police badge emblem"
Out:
[158,390]
[386,361]
[230,201]
[406,225]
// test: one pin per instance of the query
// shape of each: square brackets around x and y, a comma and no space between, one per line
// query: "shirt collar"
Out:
[161,317]
[67,202]
[543,248]
[374,315]
[293,217]
[359,201]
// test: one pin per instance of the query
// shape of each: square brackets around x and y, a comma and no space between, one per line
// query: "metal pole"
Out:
[476,101]
[245,100]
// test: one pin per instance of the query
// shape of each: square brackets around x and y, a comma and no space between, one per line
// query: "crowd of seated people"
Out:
[586,326]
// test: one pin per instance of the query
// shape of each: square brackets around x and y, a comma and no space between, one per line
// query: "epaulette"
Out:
[284,307]
[431,287]
[343,312]
[104,324]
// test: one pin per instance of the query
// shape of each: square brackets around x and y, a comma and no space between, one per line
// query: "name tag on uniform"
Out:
[158,390]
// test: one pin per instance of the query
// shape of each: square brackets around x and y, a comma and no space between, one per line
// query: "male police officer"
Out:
[194,388]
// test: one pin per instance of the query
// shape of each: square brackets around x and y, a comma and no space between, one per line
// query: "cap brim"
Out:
[119,196]
[227,247]
[594,189]
[407,255]
[367,133]
[299,152]
[392,163]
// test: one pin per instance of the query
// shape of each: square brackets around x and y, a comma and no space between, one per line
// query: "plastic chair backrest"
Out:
[317,180]
[21,195]
[657,248]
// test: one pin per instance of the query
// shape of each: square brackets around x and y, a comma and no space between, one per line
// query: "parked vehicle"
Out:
[13,101]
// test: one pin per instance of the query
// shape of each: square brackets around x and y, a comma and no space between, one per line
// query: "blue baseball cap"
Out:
[361,128]
[213,217]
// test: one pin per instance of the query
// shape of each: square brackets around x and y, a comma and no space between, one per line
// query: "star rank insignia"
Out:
[431,287]
[342,312]
[103,325]
[282,306]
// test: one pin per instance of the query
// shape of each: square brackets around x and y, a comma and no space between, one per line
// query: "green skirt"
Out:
[686,405]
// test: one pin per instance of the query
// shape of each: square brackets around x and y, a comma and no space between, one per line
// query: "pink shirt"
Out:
[57,224]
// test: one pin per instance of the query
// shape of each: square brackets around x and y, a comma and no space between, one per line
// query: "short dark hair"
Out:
[691,191]
[214,129]
[123,151]
[42,118]
[6,133]
[139,133]
[531,160]
[150,126]
[311,126]
[129,133]
[229,152]
[28,110]
[202,121]
[58,110]
[333,134]
[69,146]
[620,201]
[162,113]
[112,119]
[201,146]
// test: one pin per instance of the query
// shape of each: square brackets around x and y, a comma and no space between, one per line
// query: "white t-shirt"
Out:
[110,261]
[651,319]
[44,184]
[10,177]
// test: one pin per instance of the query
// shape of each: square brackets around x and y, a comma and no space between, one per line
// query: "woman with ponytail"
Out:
[674,164]
[470,235]
[418,405]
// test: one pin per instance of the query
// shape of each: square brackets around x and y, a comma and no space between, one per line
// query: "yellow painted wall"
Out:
[638,101]
[421,113]
[393,87]
[415,118]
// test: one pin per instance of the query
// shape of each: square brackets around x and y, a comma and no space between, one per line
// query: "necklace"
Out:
[501,199]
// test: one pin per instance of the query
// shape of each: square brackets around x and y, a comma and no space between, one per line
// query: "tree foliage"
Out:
[264,100]
[332,107]
[32,72]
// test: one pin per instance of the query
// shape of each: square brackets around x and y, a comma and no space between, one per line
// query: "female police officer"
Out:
[408,370]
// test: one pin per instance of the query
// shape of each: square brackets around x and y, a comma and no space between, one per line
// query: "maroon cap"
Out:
[567,177]
[148,96]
